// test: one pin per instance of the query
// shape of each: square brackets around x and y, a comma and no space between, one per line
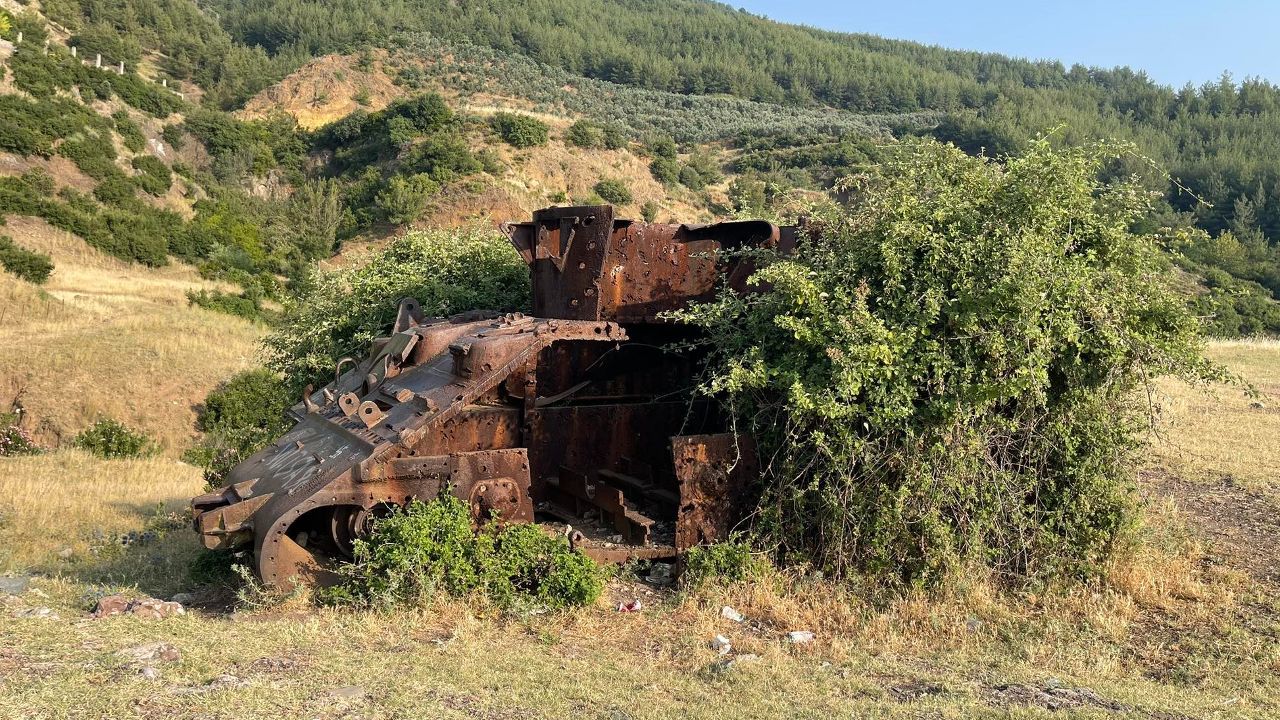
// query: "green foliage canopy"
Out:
[341,311]
[949,370]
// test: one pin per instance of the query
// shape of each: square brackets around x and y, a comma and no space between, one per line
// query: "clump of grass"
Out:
[430,548]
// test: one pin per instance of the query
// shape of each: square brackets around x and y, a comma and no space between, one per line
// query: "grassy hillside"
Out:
[108,339]
[1184,629]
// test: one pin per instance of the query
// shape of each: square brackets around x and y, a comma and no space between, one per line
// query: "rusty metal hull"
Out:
[579,416]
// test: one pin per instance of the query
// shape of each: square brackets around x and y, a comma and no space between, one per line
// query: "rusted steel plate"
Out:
[714,473]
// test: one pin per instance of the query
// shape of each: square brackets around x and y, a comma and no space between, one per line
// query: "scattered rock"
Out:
[799,637]
[721,645]
[972,624]
[273,665]
[615,539]
[66,553]
[38,612]
[111,605]
[14,585]
[183,599]
[154,609]
[151,651]
[729,613]
[148,608]
[1258,405]
[149,673]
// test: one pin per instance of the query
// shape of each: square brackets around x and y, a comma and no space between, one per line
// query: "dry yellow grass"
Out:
[108,339]
[1219,433]
[66,501]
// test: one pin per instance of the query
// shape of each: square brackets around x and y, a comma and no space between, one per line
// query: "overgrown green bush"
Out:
[341,311]
[111,439]
[949,370]
[665,170]
[240,417]
[614,192]
[520,131]
[405,198]
[430,548]
[154,177]
[585,134]
[129,131]
[31,266]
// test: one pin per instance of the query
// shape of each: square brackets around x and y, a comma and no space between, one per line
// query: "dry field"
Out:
[107,339]
[1187,624]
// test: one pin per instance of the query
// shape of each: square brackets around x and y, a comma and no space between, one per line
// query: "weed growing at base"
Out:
[430,548]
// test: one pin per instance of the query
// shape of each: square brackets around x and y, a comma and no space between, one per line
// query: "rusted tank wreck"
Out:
[581,414]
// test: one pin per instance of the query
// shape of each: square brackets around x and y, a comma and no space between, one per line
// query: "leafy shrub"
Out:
[447,271]
[520,131]
[31,266]
[729,561]
[614,192]
[110,439]
[585,134]
[615,136]
[427,112]
[117,190]
[430,548]
[665,170]
[155,177]
[173,135]
[240,417]
[405,198]
[94,156]
[129,131]
[660,146]
[949,371]
[691,179]
[242,305]
[13,439]
[649,211]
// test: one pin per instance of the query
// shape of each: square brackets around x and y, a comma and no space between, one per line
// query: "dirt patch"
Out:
[326,89]
[63,171]
[1051,697]
[1242,525]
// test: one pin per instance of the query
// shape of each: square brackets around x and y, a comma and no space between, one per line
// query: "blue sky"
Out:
[1174,41]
